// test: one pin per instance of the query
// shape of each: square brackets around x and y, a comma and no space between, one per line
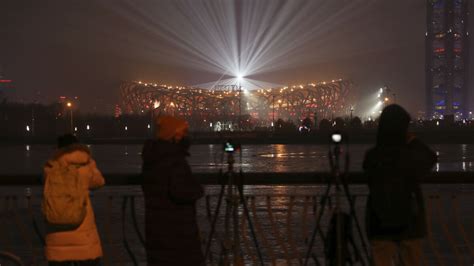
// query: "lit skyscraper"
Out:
[447,58]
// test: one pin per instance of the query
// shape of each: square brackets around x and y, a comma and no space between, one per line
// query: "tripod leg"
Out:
[317,223]
[316,261]
[353,215]
[214,221]
[358,257]
[252,230]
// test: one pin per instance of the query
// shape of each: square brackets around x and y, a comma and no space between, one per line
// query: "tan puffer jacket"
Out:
[82,243]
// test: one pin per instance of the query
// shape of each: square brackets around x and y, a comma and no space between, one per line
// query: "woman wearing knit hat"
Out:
[171,191]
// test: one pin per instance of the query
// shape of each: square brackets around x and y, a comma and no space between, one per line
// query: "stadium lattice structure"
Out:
[228,105]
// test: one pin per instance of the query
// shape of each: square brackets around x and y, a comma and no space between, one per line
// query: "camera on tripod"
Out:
[230,146]
[340,245]
[336,137]
[232,190]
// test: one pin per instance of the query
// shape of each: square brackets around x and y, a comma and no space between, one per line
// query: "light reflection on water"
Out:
[28,159]
[255,158]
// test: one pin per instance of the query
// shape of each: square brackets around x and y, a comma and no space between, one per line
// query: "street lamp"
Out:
[69,105]
[156,104]
[273,112]
[352,110]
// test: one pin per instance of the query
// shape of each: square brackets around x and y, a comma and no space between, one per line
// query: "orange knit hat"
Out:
[169,127]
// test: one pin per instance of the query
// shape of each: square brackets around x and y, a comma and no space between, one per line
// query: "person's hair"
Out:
[393,126]
[66,140]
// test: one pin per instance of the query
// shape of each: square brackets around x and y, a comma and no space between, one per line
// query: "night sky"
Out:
[86,48]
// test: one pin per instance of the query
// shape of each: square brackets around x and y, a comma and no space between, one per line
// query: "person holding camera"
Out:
[395,216]
[171,191]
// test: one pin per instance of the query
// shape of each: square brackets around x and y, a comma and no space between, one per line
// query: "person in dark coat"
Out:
[171,191]
[395,217]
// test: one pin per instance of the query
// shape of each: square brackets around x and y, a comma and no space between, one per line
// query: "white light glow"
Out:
[240,38]
[246,83]
[374,104]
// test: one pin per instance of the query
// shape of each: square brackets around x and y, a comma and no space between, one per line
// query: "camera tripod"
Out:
[232,187]
[337,179]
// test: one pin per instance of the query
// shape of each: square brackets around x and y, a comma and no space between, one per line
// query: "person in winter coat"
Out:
[395,217]
[81,245]
[171,191]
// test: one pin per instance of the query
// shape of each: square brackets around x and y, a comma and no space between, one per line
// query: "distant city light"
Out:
[126,128]
[148,126]
[69,104]
[75,129]
[27,128]
[88,127]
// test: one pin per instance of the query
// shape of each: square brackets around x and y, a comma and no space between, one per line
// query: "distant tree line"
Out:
[18,120]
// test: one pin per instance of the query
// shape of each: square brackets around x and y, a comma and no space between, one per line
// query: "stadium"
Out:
[230,107]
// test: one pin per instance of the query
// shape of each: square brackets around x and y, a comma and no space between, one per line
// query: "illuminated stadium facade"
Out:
[221,108]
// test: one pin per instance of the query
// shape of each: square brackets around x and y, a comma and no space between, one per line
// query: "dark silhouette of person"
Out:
[395,216]
[171,191]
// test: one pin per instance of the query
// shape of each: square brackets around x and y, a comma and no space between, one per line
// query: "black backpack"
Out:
[392,198]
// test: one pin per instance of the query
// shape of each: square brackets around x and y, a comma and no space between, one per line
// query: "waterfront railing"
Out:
[282,206]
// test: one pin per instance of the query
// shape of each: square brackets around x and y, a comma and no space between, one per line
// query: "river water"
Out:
[28,159]
[289,203]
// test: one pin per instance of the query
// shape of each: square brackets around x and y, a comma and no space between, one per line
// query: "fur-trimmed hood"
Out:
[73,154]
